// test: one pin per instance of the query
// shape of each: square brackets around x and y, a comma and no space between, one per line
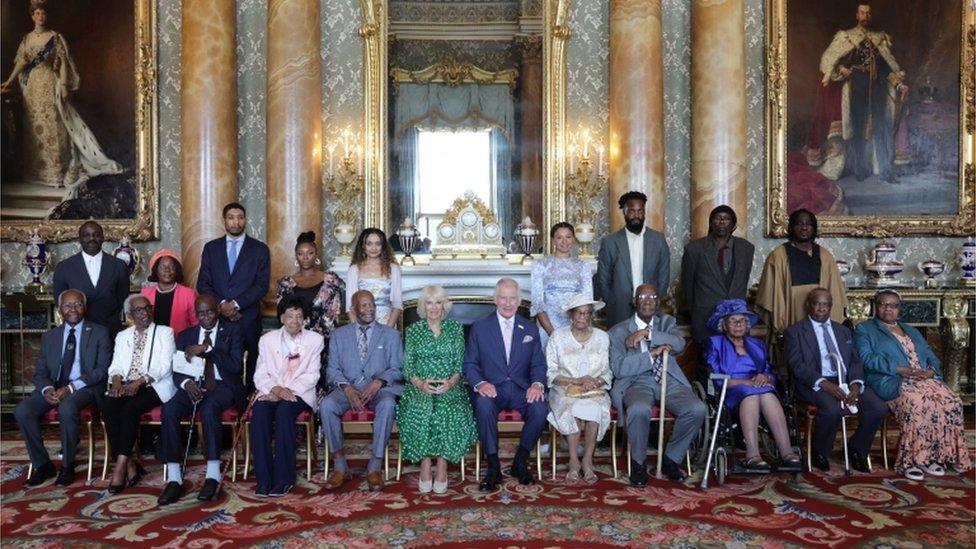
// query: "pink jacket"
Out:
[184,313]
[272,367]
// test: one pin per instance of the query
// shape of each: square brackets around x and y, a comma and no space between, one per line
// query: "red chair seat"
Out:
[613,414]
[656,413]
[509,415]
[230,415]
[85,415]
[812,409]
[360,416]
[154,415]
[304,416]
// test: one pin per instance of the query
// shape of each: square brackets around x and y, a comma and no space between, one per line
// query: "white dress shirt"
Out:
[635,243]
[93,264]
[827,366]
[213,338]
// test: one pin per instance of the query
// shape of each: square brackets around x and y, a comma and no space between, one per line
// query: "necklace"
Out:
[160,290]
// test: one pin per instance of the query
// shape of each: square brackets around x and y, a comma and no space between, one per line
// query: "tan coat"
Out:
[782,305]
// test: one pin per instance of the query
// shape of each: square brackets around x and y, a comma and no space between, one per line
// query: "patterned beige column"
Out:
[718,111]
[636,107]
[208,133]
[530,99]
[294,128]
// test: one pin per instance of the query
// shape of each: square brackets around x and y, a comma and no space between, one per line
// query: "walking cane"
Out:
[661,411]
[843,409]
[718,418]
[189,435]
[237,437]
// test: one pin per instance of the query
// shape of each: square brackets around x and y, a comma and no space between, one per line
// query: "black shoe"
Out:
[136,478]
[671,470]
[171,493]
[115,488]
[493,477]
[208,491]
[858,461]
[522,473]
[279,491]
[638,474]
[820,462]
[262,491]
[40,475]
[66,476]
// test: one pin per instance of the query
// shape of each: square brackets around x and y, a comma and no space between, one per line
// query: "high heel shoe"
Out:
[116,488]
[140,472]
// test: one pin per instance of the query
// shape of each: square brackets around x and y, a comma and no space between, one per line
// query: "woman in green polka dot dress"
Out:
[434,415]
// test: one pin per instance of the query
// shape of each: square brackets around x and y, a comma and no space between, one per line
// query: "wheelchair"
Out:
[722,441]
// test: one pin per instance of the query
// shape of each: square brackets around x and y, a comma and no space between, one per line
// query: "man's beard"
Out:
[635,225]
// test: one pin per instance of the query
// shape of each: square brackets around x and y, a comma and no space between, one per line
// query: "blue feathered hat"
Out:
[729,307]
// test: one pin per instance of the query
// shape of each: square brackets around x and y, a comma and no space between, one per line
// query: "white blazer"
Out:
[160,364]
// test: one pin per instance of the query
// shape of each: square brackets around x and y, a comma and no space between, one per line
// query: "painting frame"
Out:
[144,225]
[961,223]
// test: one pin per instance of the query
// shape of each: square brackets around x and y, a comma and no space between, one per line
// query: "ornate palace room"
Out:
[487,273]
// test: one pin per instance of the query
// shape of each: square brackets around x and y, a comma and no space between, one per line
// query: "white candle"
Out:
[572,158]
[331,151]
[599,165]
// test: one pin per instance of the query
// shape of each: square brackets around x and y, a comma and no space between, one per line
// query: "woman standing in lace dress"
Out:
[555,279]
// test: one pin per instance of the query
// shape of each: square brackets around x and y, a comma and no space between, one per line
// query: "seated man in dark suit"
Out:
[813,347]
[636,357]
[102,278]
[504,364]
[71,369]
[220,348]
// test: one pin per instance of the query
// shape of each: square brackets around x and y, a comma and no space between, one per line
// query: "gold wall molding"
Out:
[962,223]
[454,72]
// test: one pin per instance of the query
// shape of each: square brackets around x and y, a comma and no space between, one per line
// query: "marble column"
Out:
[718,111]
[636,107]
[208,125]
[530,101]
[294,128]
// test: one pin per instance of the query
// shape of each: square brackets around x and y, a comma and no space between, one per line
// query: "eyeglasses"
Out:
[735,321]
[73,305]
[143,309]
[646,297]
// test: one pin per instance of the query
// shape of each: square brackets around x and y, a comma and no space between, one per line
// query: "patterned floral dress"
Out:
[324,301]
[554,281]
[435,425]
[931,420]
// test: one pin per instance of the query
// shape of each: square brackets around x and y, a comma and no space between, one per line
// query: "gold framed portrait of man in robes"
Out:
[869,112]
[78,138]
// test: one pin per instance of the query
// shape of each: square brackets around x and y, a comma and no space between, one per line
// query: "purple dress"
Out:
[722,359]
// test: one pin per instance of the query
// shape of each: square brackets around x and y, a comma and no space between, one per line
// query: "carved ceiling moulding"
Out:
[453,72]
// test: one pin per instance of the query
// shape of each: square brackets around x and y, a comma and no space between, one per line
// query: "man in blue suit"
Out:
[236,269]
[220,347]
[813,346]
[504,364]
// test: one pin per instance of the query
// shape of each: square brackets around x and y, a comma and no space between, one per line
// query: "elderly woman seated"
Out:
[752,383]
[579,377]
[285,377]
[902,369]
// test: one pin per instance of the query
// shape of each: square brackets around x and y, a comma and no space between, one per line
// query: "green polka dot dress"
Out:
[435,425]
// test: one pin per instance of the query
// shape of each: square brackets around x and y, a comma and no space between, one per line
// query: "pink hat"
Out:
[165,252]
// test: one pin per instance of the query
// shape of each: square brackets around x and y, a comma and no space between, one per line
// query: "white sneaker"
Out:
[934,469]
[914,473]
[425,486]
[440,487]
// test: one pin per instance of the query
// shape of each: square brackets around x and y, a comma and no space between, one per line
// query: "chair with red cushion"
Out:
[553,434]
[361,423]
[306,419]
[811,411]
[509,423]
[87,417]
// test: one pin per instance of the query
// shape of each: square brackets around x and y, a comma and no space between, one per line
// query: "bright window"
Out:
[449,163]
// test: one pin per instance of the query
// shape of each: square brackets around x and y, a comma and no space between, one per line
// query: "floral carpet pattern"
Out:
[828,510]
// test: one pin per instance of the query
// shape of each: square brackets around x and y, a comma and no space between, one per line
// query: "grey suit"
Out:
[384,361]
[95,351]
[705,284]
[635,392]
[614,282]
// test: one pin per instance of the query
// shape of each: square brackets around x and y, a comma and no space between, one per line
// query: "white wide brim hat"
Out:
[579,300]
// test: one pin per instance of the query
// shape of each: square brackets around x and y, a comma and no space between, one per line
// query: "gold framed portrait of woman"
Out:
[78,138]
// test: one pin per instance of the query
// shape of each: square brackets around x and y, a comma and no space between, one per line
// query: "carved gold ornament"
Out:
[453,72]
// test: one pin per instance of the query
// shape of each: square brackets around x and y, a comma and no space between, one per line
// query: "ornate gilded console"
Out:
[948,309]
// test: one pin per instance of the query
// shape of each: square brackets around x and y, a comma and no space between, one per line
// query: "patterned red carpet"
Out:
[878,510]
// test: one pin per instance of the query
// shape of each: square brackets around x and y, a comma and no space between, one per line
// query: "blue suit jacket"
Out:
[484,356]
[384,358]
[803,355]
[246,285]
[881,355]
[227,354]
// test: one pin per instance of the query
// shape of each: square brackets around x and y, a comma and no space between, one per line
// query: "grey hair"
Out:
[127,306]
[433,292]
[84,298]
[502,281]
[721,325]
[888,291]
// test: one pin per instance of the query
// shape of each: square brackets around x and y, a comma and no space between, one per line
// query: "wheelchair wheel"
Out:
[721,466]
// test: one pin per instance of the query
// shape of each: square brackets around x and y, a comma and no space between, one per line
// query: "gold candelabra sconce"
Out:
[345,182]
[586,179]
